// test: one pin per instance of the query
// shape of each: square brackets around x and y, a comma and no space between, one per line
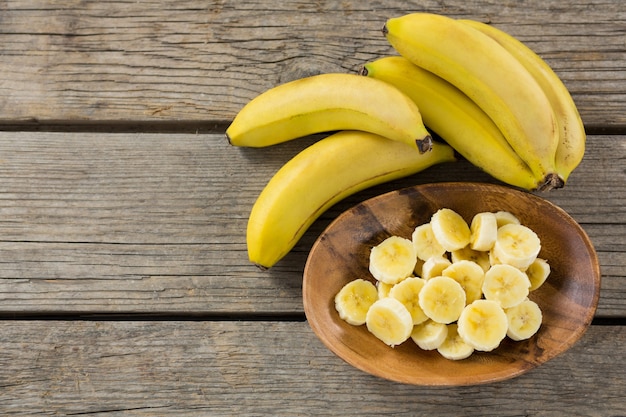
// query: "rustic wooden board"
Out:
[155,223]
[165,368]
[190,61]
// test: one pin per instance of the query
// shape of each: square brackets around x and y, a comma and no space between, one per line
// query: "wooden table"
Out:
[125,287]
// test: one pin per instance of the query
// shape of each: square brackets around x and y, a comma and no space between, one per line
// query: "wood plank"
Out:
[149,223]
[269,368]
[181,61]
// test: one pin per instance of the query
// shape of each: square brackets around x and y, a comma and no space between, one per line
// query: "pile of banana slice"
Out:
[452,286]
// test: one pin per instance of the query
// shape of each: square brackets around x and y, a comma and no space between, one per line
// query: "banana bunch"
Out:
[458,306]
[488,95]
[380,136]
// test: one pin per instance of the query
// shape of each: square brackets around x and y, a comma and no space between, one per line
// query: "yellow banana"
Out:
[571,147]
[491,77]
[328,102]
[320,176]
[447,111]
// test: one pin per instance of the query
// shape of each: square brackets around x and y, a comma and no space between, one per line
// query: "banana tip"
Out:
[552,181]
[384,30]
[425,144]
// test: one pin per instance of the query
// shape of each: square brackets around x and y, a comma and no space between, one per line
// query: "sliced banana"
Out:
[383,289]
[454,347]
[469,254]
[407,292]
[442,299]
[516,245]
[390,321]
[537,273]
[484,231]
[434,266]
[470,275]
[426,245]
[506,284]
[354,300]
[393,259]
[505,217]
[483,325]
[429,335]
[524,320]
[450,229]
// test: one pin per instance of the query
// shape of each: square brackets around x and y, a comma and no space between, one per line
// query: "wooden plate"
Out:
[568,299]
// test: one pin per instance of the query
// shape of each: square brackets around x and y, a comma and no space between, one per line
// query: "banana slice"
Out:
[484,231]
[390,321]
[470,275]
[442,299]
[429,335]
[469,254]
[434,266]
[537,273]
[383,289]
[483,325]
[524,320]
[393,259]
[505,217]
[407,292]
[450,229]
[354,300]
[516,245]
[454,347]
[506,284]
[426,246]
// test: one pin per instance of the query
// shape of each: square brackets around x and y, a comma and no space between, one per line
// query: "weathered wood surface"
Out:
[125,288]
[191,61]
[270,369]
[149,223]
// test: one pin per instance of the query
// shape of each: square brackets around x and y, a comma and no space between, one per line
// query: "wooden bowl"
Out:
[568,299]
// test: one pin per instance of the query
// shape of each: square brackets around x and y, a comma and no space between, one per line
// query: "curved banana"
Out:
[456,119]
[489,75]
[320,176]
[328,102]
[571,147]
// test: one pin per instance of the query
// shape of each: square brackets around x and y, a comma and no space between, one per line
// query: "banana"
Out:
[434,266]
[426,246]
[450,229]
[354,300]
[456,119]
[454,347]
[392,260]
[537,273]
[505,217]
[484,231]
[516,245]
[383,289]
[407,292]
[470,275]
[469,254]
[328,102]
[524,320]
[483,324]
[390,321]
[320,176]
[429,335]
[442,299]
[571,147]
[490,76]
[505,284]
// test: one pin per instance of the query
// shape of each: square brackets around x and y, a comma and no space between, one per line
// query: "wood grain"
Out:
[164,368]
[190,61]
[150,223]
